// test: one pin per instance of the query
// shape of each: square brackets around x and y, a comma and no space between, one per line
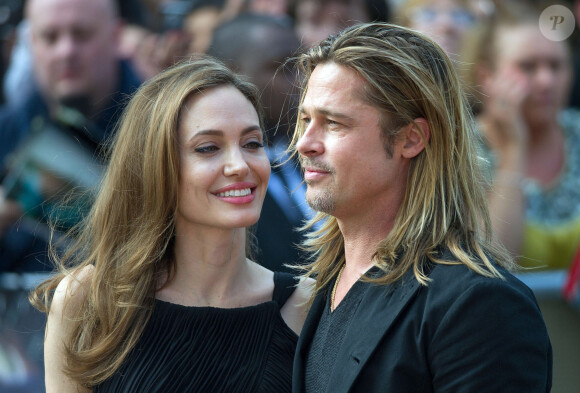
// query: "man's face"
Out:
[273,45]
[74,43]
[346,167]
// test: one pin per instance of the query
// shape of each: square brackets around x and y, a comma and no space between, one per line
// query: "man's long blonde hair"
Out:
[129,233]
[408,76]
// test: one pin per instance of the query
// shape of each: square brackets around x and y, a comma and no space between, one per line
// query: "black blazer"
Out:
[462,333]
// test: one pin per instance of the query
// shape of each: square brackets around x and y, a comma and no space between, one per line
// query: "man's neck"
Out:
[82,105]
[361,238]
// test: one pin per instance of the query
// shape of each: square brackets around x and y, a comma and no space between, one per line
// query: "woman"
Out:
[446,21]
[532,140]
[158,295]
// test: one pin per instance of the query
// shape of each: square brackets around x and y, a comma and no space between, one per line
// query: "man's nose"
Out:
[310,143]
[66,46]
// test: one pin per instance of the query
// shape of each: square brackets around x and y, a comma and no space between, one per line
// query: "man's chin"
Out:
[323,203]
[76,100]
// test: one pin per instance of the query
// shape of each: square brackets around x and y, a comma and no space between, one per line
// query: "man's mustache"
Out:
[313,164]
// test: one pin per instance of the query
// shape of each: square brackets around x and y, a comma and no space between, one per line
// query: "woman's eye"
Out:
[556,65]
[305,120]
[254,145]
[527,66]
[206,149]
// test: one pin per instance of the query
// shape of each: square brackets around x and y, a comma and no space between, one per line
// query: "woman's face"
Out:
[445,21]
[544,63]
[224,169]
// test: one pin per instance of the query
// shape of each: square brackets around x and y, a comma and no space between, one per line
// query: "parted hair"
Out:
[408,76]
[128,235]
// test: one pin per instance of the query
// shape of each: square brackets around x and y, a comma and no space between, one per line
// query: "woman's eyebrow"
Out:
[213,132]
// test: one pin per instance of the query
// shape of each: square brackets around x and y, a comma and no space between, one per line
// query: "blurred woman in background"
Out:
[445,21]
[532,140]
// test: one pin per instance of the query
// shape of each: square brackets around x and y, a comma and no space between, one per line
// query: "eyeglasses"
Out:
[459,17]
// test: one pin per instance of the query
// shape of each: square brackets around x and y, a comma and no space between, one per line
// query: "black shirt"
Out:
[329,337]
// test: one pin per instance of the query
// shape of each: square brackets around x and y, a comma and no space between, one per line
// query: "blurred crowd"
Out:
[68,66]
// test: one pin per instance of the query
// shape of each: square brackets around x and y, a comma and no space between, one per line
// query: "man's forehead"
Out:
[86,10]
[331,87]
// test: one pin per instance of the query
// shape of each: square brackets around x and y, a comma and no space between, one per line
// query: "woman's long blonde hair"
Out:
[408,76]
[128,234]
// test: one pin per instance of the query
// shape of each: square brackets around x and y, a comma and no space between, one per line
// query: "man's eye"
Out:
[206,149]
[49,38]
[82,35]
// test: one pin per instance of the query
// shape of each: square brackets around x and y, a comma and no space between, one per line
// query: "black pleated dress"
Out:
[206,349]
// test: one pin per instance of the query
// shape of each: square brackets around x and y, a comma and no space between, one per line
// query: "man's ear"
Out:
[417,135]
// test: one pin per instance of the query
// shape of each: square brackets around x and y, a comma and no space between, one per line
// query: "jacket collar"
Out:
[380,306]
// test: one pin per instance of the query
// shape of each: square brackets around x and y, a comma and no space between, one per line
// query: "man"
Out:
[412,293]
[256,45]
[80,86]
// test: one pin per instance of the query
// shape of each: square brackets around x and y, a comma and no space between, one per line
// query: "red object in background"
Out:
[571,290]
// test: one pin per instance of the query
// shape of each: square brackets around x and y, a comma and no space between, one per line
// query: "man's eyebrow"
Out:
[327,113]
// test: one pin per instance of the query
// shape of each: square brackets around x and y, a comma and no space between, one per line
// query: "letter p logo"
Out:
[557,22]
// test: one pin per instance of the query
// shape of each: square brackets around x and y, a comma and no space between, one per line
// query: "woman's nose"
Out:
[236,164]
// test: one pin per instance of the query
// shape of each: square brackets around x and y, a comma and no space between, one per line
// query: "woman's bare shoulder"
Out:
[303,292]
[72,290]
[68,297]
[296,308]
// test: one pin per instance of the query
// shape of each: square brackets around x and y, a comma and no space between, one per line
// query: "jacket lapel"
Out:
[376,313]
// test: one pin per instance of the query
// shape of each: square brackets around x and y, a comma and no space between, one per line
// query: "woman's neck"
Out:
[540,134]
[210,267]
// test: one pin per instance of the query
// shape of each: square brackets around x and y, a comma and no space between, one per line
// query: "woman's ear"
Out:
[417,136]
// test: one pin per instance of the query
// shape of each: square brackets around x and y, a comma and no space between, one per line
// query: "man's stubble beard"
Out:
[323,201]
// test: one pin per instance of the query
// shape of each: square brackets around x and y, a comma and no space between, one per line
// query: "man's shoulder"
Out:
[130,80]
[23,110]
[448,282]
[15,121]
